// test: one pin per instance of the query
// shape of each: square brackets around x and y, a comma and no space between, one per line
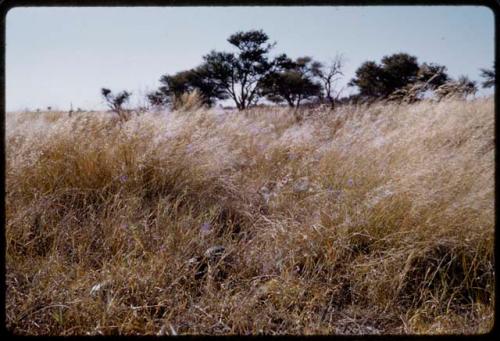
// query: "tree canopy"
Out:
[173,86]
[291,81]
[115,102]
[239,74]
[395,72]
[489,77]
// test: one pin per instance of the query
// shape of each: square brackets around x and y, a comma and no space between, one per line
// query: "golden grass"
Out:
[364,220]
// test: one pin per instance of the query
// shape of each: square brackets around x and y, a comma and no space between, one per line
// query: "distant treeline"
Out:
[249,74]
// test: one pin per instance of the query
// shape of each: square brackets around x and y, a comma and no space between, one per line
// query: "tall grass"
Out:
[364,220]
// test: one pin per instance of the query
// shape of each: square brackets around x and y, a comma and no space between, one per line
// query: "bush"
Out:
[116,102]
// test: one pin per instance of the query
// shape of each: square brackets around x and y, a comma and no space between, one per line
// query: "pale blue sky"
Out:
[58,56]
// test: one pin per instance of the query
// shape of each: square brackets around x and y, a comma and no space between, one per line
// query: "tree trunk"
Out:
[332,103]
[298,101]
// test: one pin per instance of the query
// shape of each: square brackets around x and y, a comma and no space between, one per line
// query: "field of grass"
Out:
[367,220]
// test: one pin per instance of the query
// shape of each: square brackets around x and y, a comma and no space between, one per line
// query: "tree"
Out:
[116,102]
[429,77]
[379,81]
[293,82]
[369,80]
[489,77]
[397,73]
[174,86]
[328,75]
[399,70]
[240,74]
[433,74]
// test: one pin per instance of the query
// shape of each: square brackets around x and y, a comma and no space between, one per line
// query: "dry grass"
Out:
[362,221]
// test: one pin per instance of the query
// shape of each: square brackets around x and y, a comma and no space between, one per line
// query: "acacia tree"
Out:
[291,81]
[328,75]
[174,86]
[116,102]
[369,80]
[399,70]
[240,74]
[394,73]
[489,77]
[432,74]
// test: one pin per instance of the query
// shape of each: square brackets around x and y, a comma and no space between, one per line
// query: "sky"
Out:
[62,57]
